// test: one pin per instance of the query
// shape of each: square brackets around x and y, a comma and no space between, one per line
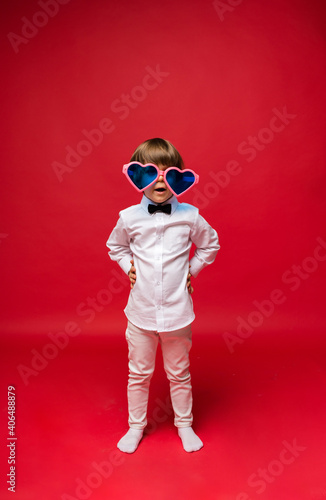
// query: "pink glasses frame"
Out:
[159,173]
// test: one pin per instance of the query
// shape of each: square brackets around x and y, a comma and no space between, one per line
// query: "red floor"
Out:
[261,413]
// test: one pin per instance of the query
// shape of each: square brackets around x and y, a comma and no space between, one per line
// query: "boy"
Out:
[155,237]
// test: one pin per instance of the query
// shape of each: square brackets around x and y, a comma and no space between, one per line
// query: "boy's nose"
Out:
[160,178]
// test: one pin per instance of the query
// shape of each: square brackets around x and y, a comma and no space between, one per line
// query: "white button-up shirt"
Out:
[160,245]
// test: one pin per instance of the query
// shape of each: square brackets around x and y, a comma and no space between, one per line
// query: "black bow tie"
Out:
[160,208]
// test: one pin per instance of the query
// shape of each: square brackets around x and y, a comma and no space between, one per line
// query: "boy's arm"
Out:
[119,245]
[207,245]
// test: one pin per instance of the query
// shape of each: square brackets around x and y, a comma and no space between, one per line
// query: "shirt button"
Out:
[158,307]
[158,283]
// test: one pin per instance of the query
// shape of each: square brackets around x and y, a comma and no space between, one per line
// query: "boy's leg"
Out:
[175,347]
[142,350]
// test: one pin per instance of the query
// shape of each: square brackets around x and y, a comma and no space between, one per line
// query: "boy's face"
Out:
[158,192]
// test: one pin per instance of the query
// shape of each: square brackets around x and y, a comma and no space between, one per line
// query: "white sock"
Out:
[190,440]
[130,441]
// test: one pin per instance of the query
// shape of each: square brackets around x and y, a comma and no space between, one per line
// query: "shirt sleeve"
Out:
[119,246]
[207,245]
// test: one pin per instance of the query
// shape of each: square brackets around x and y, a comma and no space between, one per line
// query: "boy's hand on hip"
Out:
[132,274]
[190,288]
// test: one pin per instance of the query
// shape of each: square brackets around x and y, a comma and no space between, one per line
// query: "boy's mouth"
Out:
[160,190]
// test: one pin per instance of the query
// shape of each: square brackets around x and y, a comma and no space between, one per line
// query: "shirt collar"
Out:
[146,201]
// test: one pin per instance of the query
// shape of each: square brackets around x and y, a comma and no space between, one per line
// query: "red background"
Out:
[225,73]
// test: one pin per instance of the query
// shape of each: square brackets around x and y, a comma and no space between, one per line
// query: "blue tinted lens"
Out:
[141,176]
[180,181]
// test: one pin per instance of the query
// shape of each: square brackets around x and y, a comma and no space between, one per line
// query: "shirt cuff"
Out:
[125,265]
[196,266]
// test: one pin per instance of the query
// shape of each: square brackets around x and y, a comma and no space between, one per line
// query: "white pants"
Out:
[142,351]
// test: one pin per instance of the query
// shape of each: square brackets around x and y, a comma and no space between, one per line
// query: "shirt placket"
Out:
[158,271]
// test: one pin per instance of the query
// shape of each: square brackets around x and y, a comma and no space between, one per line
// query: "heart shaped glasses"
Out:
[143,176]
